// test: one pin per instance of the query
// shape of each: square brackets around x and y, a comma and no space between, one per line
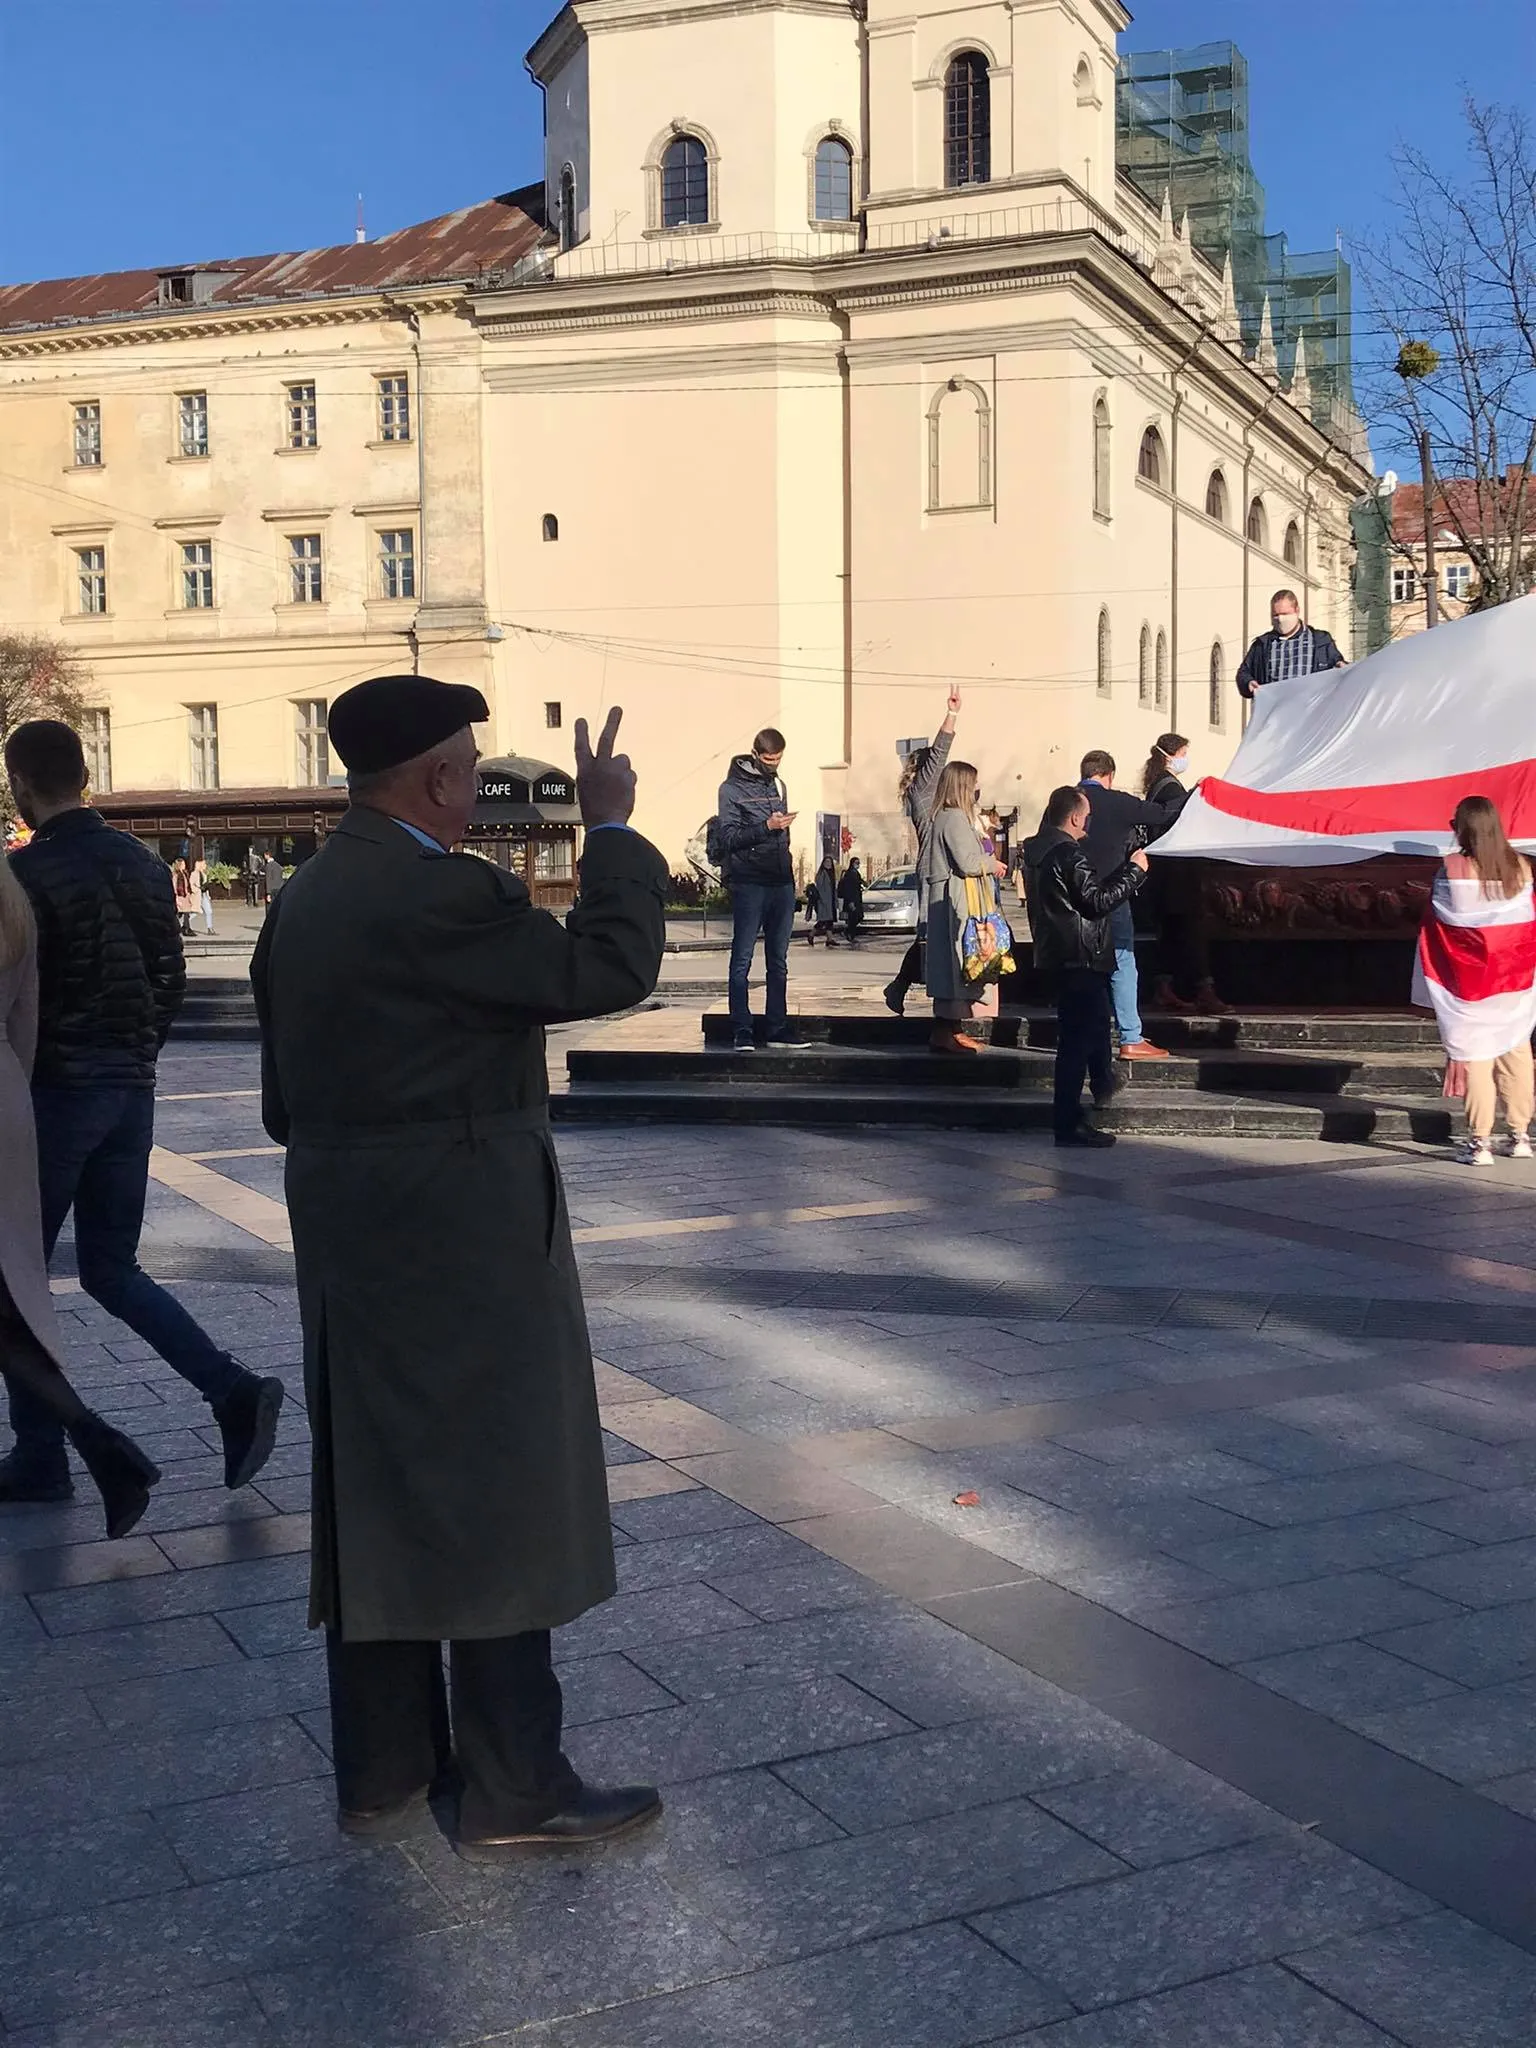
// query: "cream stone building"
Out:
[832,362]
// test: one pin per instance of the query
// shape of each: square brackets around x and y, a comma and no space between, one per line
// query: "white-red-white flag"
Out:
[1476,968]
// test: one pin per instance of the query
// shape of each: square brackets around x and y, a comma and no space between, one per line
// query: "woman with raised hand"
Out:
[916,790]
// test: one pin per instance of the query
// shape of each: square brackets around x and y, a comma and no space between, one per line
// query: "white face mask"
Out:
[1178,764]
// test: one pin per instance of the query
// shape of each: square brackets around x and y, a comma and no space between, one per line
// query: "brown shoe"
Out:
[952,1041]
[1142,1050]
[1208,1003]
[1167,998]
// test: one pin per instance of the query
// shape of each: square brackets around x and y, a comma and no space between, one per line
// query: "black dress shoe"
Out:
[122,1472]
[384,1823]
[592,1818]
[22,1480]
[247,1419]
[1085,1134]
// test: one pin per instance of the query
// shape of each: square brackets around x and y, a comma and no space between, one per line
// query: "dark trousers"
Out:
[390,1727]
[30,1370]
[769,908]
[1083,1050]
[910,972]
[93,1146]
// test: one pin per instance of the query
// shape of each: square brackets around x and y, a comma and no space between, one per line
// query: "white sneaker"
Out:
[1518,1145]
[1474,1152]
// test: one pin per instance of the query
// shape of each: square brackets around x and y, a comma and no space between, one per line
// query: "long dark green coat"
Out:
[458,1469]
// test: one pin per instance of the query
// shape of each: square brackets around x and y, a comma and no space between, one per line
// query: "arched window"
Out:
[959,447]
[1144,669]
[1106,681]
[568,207]
[1258,524]
[1218,689]
[1101,450]
[967,120]
[1149,459]
[1216,497]
[551,526]
[834,179]
[1162,670]
[684,183]
[1082,83]
[1293,546]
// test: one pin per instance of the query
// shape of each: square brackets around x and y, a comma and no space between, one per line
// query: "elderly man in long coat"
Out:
[459,1490]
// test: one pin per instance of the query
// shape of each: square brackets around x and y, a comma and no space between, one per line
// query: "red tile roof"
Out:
[455,246]
[1462,505]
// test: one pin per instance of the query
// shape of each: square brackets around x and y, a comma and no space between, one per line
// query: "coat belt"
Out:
[470,1124]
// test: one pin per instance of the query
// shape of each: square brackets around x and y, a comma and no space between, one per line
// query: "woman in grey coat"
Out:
[955,855]
[31,1348]
[919,784]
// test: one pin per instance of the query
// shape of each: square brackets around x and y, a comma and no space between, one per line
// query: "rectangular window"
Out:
[1405,585]
[314,747]
[91,565]
[1458,581]
[552,717]
[96,738]
[553,860]
[192,420]
[88,435]
[203,733]
[397,562]
[394,408]
[306,584]
[197,575]
[303,417]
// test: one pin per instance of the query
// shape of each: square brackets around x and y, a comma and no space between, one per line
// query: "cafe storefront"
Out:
[527,821]
[225,825]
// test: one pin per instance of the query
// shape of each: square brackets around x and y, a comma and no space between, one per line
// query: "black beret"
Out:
[390,719]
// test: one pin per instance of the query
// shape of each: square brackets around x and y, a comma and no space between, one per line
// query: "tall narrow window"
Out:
[967,120]
[1144,669]
[1101,457]
[1218,705]
[196,575]
[552,717]
[1293,546]
[1216,497]
[568,207]
[192,422]
[394,408]
[303,417]
[685,183]
[203,736]
[88,435]
[397,562]
[834,179]
[1258,524]
[1105,673]
[1161,675]
[305,581]
[551,527]
[91,574]
[96,738]
[314,748]
[1149,458]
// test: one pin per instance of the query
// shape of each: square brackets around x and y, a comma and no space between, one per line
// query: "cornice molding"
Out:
[142,330]
[667,367]
[795,300]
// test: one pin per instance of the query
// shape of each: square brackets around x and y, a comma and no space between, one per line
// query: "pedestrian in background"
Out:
[203,890]
[111,977]
[1170,905]
[954,856]
[850,893]
[255,876]
[459,1491]
[752,820]
[1070,907]
[821,903]
[31,1344]
[1117,822]
[272,878]
[1476,969]
[918,786]
[181,891]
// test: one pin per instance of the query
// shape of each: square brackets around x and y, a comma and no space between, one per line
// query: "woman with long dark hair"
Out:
[920,772]
[31,1348]
[1170,906]
[1476,970]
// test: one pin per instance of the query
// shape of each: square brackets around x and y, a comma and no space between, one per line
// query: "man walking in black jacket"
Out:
[1069,914]
[753,821]
[110,980]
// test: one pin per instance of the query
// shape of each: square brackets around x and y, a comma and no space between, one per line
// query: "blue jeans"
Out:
[769,908]
[93,1156]
[1122,983]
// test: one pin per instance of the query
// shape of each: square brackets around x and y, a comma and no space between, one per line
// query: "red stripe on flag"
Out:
[1383,806]
[1475,963]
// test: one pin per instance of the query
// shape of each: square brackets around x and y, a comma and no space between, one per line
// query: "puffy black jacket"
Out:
[749,796]
[1069,904]
[110,970]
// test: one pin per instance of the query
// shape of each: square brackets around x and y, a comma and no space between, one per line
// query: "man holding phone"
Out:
[754,820]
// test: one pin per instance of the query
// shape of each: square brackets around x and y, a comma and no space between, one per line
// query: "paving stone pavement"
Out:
[1212,1721]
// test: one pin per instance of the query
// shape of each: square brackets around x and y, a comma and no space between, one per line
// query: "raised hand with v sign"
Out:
[605,782]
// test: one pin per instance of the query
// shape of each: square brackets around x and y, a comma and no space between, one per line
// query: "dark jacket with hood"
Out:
[1069,904]
[749,796]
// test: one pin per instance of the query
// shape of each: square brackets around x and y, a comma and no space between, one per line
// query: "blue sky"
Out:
[155,131]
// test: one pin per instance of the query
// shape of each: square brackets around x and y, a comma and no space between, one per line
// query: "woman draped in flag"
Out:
[1476,970]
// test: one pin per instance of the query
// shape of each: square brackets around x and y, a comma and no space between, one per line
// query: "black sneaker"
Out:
[23,1479]
[788,1039]
[1085,1134]
[247,1419]
[743,1042]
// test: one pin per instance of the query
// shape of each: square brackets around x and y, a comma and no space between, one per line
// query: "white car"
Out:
[890,905]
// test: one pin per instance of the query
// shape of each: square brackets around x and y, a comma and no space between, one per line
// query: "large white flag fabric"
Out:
[1374,758]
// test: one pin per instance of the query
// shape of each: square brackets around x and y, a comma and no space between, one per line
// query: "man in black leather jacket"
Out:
[110,980]
[1069,912]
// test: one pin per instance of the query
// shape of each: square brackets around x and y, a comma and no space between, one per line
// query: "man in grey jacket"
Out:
[919,785]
